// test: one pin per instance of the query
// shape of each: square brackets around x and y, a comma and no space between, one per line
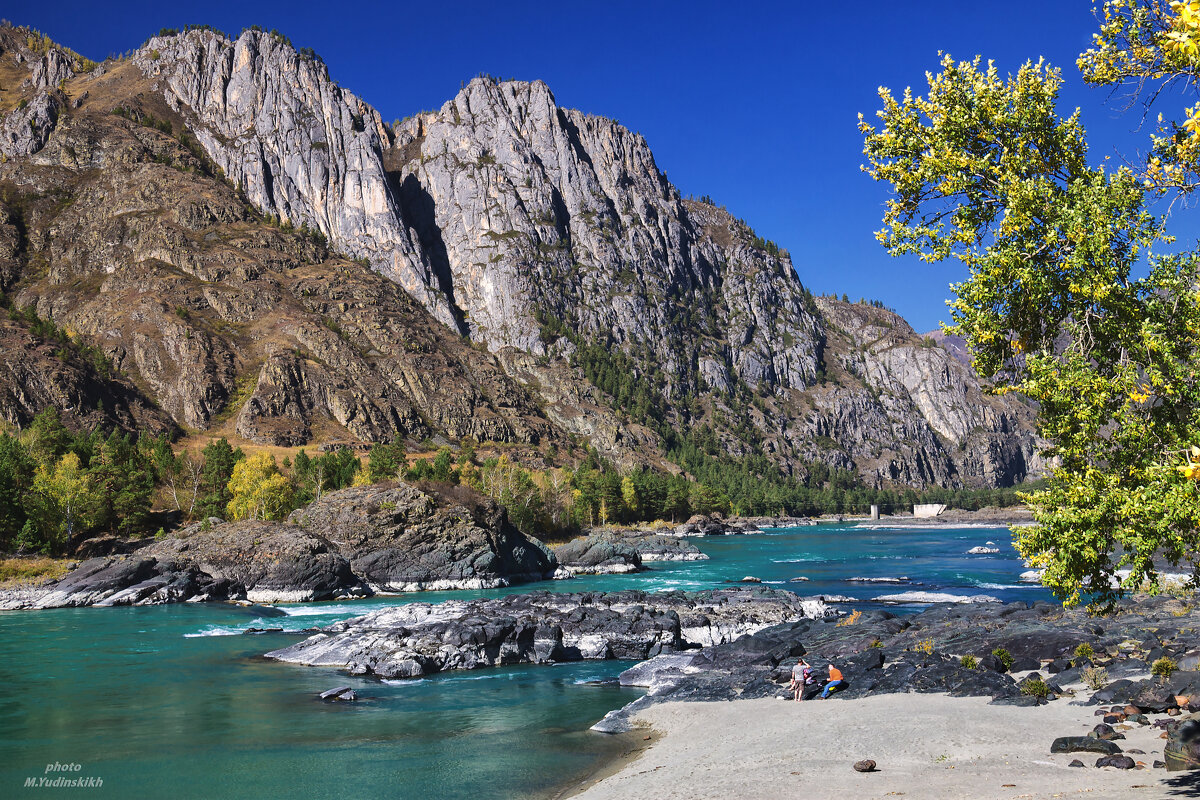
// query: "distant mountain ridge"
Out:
[577,295]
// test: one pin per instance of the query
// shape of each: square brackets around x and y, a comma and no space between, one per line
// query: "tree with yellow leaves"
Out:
[984,169]
[259,490]
[1147,48]
[66,499]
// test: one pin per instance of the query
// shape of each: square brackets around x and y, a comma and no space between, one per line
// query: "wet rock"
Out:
[598,554]
[123,581]
[540,627]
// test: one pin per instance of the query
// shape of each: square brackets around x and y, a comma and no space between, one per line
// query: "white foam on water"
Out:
[403,681]
[326,611]
[491,677]
[902,579]
[994,586]
[670,585]
[215,630]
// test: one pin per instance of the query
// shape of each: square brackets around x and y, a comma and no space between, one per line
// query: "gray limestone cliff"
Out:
[532,232]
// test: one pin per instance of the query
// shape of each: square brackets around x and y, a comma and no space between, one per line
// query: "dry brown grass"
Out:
[20,571]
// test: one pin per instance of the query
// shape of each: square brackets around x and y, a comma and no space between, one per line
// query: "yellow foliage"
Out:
[259,490]
[853,618]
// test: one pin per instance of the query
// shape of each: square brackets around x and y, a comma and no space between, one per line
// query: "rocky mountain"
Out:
[249,243]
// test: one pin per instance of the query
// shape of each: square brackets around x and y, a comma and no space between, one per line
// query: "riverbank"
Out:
[991,517]
[926,746]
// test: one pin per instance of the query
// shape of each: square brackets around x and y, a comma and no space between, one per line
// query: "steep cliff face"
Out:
[258,253]
[920,415]
[500,205]
[115,231]
[531,207]
[302,148]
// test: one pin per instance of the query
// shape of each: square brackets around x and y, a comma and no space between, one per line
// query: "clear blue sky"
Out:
[754,104]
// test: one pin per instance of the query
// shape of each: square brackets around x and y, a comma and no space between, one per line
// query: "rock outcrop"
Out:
[598,554]
[350,543]
[400,538]
[879,652]
[541,627]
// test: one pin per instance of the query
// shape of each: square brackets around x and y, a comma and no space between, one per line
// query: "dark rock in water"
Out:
[124,581]
[1076,763]
[598,554]
[273,562]
[866,765]
[655,547]
[751,579]
[1083,744]
[543,627]
[1120,762]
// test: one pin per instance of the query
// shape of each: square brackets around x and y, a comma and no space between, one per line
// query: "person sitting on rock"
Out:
[835,680]
[801,677]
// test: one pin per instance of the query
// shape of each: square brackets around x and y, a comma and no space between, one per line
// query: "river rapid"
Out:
[177,702]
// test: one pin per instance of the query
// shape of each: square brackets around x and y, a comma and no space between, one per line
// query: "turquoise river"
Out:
[175,702]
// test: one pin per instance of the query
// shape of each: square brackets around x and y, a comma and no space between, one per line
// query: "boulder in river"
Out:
[598,554]
[542,627]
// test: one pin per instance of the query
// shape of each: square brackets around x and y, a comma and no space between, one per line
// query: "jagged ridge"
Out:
[500,208]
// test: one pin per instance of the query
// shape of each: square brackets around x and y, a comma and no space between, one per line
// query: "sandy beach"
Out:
[926,746]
